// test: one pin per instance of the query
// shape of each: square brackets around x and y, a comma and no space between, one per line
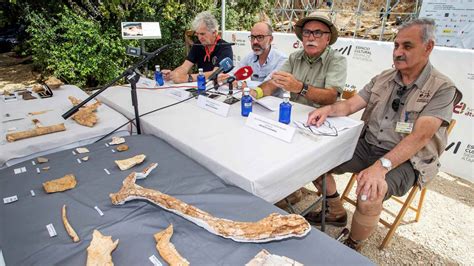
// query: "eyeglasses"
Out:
[326,129]
[258,37]
[315,33]
[397,101]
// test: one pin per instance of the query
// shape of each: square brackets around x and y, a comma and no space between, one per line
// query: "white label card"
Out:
[270,127]
[178,94]
[213,106]
[99,211]
[155,260]
[51,230]
[10,199]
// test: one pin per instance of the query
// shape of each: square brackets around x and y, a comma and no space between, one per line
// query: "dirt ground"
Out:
[444,235]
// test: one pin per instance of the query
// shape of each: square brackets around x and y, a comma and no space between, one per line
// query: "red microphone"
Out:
[240,74]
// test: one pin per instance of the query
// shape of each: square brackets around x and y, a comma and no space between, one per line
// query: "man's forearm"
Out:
[320,95]
[268,87]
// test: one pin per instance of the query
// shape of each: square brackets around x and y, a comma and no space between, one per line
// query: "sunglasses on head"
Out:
[397,102]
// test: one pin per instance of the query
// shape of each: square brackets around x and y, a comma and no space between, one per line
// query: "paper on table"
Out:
[342,122]
[272,103]
[331,126]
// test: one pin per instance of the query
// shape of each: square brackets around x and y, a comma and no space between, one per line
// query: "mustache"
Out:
[312,44]
[257,46]
[399,58]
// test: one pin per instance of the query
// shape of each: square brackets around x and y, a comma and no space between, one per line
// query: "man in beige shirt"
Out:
[407,110]
[315,75]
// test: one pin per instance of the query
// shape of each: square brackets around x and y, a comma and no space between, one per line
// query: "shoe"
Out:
[293,198]
[354,244]
[335,214]
[315,218]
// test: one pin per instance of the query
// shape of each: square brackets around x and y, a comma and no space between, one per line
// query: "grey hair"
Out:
[269,27]
[207,19]
[427,25]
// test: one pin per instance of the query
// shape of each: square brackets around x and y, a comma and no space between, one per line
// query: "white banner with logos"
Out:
[454,21]
[368,58]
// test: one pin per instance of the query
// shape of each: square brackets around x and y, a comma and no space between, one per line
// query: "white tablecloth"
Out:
[262,165]
[75,134]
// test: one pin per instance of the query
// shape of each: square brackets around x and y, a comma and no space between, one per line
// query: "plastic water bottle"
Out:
[246,103]
[285,109]
[201,81]
[158,75]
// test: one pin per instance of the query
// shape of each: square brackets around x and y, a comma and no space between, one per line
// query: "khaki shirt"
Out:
[381,127]
[327,71]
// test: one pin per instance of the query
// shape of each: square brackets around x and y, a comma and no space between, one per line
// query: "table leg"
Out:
[323,207]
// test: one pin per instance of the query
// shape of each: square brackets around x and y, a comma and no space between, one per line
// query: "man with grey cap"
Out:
[315,75]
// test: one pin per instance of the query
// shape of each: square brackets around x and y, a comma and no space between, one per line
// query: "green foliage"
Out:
[74,48]
[80,42]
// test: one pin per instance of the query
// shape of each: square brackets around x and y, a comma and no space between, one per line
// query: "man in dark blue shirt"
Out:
[206,54]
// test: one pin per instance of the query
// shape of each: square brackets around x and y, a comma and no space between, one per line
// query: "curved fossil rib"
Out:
[70,231]
[273,227]
[167,249]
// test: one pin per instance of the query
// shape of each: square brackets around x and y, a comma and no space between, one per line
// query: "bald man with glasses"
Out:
[264,59]
[315,75]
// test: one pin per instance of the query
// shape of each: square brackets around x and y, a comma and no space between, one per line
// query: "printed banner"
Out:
[368,58]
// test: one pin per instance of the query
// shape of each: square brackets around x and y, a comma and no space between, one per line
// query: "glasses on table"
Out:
[397,101]
[326,129]
[258,37]
[315,33]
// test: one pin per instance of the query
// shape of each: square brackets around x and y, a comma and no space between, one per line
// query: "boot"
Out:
[293,198]
[335,214]
[354,244]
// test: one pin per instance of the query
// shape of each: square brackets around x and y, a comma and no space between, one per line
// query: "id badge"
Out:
[404,127]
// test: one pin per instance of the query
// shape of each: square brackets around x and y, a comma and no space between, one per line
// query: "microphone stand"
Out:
[230,98]
[132,77]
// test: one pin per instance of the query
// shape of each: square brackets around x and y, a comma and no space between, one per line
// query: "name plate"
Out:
[214,106]
[270,127]
[178,94]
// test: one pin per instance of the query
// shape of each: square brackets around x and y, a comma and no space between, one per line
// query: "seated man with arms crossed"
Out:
[407,111]
[206,54]
[315,75]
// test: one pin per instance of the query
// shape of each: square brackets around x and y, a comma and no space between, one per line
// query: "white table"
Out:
[75,134]
[262,165]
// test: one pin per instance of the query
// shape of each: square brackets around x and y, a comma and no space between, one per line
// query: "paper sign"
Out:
[155,260]
[51,230]
[178,94]
[10,199]
[214,106]
[270,127]
[99,211]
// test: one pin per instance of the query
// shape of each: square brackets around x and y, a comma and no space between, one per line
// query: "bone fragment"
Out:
[82,150]
[70,231]
[273,227]
[42,160]
[122,147]
[61,184]
[85,159]
[53,82]
[39,112]
[130,162]
[117,141]
[100,250]
[167,250]
[35,132]
[86,115]
[264,258]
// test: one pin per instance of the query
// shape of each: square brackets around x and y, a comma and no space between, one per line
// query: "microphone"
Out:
[241,74]
[225,66]
[217,44]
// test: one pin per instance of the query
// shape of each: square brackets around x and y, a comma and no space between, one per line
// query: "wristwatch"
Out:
[386,163]
[304,90]
[190,78]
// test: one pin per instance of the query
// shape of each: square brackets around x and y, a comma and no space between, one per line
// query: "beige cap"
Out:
[317,16]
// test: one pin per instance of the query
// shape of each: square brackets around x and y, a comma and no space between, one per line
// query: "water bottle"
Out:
[285,109]
[246,103]
[158,75]
[201,81]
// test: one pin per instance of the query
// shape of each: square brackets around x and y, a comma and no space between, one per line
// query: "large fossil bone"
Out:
[264,258]
[70,231]
[167,249]
[273,227]
[86,115]
[38,131]
[61,184]
[130,162]
[100,250]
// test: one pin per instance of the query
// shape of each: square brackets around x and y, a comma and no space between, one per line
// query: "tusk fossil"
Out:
[167,249]
[273,227]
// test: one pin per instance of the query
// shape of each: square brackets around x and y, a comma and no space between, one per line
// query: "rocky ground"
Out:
[444,234]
